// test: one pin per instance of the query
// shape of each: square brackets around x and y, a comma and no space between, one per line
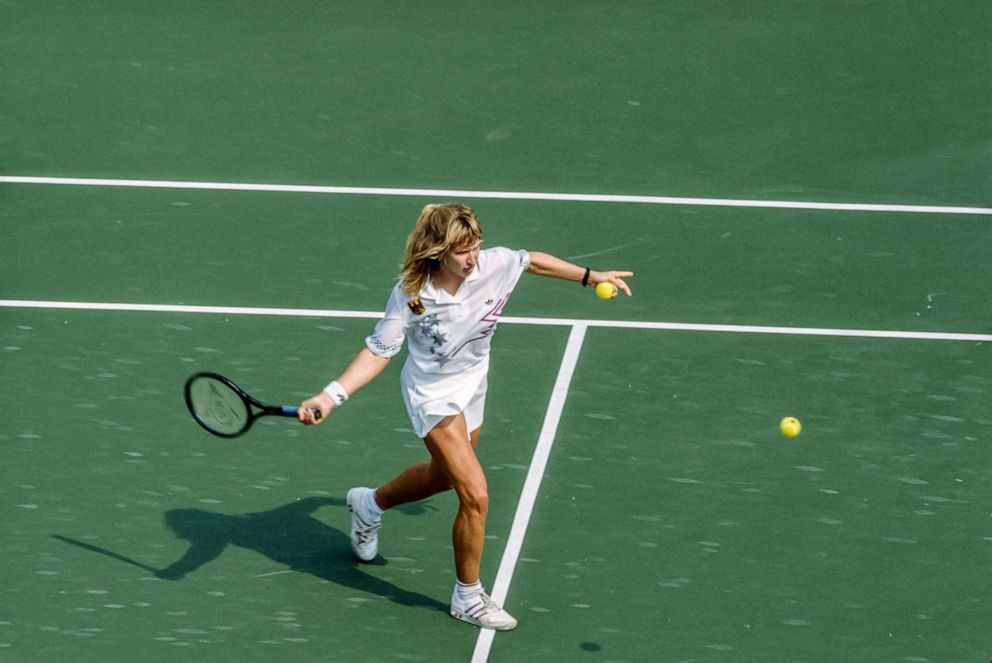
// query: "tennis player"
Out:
[444,309]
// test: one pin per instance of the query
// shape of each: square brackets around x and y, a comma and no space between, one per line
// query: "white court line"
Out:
[561,322]
[532,484]
[497,195]
[183,308]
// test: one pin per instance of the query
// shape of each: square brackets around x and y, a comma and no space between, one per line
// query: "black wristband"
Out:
[585,278]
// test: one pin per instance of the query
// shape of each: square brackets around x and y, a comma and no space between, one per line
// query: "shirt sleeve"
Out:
[515,263]
[523,260]
[386,340]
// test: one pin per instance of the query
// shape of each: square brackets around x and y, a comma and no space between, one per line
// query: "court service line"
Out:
[561,322]
[497,195]
[532,484]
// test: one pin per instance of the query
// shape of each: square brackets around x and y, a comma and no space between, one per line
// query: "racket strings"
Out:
[217,406]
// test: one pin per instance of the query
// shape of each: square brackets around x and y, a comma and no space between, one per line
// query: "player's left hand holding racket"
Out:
[225,409]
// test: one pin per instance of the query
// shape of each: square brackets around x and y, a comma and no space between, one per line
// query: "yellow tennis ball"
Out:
[790,426]
[606,290]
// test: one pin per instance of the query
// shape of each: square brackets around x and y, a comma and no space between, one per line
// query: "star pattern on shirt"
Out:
[430,326]
[434,330]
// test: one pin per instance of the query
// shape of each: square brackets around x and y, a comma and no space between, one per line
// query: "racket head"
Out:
[218,405]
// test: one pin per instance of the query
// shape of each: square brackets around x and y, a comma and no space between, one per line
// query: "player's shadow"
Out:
[288,534]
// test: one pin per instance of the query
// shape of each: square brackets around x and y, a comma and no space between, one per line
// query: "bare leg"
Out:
[417,482]
[452,451]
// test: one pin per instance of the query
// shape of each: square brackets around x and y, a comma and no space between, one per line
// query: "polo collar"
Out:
[441,296]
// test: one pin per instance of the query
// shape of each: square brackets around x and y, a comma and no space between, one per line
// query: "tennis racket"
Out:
[225,409]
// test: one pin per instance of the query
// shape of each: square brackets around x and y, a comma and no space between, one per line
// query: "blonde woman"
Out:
[444,309]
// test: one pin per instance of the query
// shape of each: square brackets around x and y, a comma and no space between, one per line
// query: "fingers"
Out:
[622,284]
[304,414]
[314,410]
[616,278]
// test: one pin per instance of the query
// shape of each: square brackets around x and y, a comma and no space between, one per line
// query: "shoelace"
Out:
[365,530]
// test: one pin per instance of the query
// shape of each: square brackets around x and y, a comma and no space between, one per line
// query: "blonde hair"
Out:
[439,230]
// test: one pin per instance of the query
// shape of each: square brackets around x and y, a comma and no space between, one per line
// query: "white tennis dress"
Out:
[448,339]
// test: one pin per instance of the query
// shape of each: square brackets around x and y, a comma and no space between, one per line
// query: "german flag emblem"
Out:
[416,306]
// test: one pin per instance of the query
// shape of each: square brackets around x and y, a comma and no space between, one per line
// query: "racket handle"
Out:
[293,411]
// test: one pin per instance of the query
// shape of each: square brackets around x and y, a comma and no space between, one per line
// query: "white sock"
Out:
[467,591]
[373,506]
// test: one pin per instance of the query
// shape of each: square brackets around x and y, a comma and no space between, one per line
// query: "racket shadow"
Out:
[288,535]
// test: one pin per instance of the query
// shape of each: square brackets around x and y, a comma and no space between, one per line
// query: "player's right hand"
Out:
[321,402]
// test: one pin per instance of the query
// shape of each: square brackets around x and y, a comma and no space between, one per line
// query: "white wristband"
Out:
[336,392]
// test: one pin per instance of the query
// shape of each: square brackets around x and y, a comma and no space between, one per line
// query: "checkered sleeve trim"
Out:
[380,349]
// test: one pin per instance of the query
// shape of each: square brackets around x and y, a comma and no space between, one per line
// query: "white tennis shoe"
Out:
[364,525]
[481,611]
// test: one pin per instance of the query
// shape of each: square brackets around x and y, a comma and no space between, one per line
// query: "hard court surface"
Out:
[827,257]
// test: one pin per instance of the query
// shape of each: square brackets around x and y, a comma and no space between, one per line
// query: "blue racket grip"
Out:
[293,411]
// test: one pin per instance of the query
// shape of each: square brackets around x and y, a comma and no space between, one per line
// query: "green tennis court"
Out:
[802,189]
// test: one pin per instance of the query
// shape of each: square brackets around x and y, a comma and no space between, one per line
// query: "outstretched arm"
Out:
[544,264]
[362,370]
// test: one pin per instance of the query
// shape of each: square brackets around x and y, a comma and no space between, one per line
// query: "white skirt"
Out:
[429,402]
